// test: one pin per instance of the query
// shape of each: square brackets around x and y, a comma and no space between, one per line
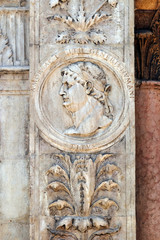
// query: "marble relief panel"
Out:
[82,121]
[14,36]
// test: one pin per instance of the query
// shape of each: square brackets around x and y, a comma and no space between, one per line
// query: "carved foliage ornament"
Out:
[81,187]
[6,53]
[83,100]
[82,26]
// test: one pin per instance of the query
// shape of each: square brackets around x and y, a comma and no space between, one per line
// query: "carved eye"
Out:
[64,73]
[69,85]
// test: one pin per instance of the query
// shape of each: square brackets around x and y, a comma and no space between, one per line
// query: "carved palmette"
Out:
[82,26]
[82,186]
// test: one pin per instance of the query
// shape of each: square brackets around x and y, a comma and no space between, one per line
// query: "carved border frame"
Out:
[79,54]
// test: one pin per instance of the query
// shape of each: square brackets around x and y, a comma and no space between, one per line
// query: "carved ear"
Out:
[89,87]
[107,88]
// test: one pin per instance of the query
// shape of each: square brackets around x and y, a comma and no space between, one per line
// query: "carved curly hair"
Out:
[94,79]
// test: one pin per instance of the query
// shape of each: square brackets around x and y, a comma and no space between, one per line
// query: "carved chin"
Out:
[70,107]
[67,105]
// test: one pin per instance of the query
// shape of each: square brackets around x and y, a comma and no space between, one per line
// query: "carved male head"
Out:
[84,88]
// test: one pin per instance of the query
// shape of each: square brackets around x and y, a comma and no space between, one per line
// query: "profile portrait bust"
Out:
[85,90]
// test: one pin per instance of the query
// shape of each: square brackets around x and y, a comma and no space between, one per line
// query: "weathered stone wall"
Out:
[14,160]
[14,120]
[82,127]
[14,198]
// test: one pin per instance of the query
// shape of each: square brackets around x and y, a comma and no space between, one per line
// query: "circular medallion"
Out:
[80,100]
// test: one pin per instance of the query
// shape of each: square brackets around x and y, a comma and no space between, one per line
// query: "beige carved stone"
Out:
[6,55]
[14,23]
[55,121]
[79,125]
[84,91]
[82,25]
[82,120]
[88,194]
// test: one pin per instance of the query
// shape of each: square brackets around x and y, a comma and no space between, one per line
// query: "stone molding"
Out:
[145,5]
[149,84]
[13,9]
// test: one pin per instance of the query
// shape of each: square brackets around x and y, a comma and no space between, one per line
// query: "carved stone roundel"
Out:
[79,98]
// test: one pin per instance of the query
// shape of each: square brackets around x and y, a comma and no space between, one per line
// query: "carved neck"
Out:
[88,112]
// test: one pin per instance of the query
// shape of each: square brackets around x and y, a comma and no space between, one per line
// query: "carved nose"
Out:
[62,90]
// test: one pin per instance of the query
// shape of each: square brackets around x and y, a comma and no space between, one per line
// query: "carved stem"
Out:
[84,236]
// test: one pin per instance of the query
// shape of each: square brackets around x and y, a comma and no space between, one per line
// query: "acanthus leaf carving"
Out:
[83,198]
[82,31]
[58,186]
[104,203]
[63,235]
[106,232]
[108,169]
[60,204]
[108,185]
[57,170]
